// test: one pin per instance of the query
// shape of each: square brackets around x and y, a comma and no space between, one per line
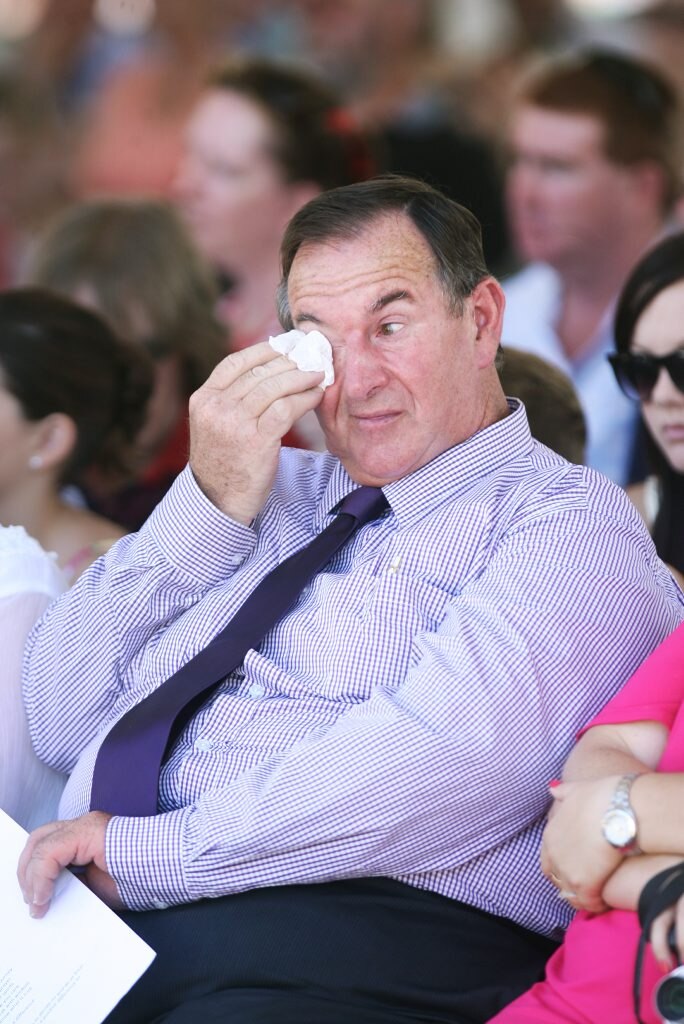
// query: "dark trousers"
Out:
[361,951]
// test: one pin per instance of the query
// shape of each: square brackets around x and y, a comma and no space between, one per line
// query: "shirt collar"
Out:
[448,476]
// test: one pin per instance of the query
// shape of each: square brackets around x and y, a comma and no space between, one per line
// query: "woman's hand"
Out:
[574,855]
[660,930]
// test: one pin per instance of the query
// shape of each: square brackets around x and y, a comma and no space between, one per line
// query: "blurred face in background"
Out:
[230,187]
[565,197]
[660,331]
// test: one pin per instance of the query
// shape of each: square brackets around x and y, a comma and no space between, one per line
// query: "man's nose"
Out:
[361,368]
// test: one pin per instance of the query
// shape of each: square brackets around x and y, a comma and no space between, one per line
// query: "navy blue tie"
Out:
[126,773]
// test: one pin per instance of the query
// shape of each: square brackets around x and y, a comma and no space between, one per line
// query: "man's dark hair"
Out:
[451,231]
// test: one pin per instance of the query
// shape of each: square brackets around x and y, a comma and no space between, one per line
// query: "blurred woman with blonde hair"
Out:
[132,260]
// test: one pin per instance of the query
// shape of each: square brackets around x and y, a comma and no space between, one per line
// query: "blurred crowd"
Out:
[95,95]
[152,153]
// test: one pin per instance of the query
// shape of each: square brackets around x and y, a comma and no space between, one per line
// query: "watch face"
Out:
[619,827]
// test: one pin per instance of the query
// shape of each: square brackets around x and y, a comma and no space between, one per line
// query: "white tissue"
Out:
[309,350]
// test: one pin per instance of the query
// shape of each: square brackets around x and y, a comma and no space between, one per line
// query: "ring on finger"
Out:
[566,894]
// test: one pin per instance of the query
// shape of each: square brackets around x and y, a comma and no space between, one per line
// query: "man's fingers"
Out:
[41,869]
[237,421]
[27,852]
[55,846]
[251,369]
[256,378]
[237,364]
[283,391]
[251,395]
[279,416]
[263,384]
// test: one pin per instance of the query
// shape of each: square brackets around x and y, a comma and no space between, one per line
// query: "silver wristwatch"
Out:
[619,824]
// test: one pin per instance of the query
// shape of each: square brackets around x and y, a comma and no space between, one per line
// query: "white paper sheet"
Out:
[71,966]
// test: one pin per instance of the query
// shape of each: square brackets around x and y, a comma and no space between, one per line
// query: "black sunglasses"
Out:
[637,372]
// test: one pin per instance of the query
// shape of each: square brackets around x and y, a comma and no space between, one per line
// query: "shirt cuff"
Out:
[145,857]
[195,536]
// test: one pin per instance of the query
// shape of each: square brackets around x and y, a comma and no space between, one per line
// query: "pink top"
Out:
[589,979]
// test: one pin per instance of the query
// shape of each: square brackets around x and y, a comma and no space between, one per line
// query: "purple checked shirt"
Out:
[405,716]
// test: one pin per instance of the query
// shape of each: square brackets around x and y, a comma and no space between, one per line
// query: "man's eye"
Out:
[390,328]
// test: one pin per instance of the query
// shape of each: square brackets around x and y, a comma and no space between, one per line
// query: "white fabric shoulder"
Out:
[533,298]
[536,282]
[29,790]
[25,567]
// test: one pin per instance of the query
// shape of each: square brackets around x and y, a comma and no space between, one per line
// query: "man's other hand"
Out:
[52,847]
[237,421]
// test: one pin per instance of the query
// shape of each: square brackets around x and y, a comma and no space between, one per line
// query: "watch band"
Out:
[622,791]
[620,807]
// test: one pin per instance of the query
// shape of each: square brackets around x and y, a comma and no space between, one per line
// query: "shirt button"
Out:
[202,745]
[160,905]
[256,691]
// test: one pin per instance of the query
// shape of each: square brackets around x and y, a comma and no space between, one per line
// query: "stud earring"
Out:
[35,462]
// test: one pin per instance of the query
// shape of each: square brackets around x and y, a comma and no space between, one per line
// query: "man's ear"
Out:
[487,306]
[55,440]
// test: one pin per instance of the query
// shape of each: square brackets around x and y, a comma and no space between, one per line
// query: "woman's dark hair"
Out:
[662,266]
[317,140]
[56,356]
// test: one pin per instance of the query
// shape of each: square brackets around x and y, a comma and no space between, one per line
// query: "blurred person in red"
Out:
[263,139]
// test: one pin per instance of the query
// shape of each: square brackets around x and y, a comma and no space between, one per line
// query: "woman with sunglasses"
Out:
[649,367]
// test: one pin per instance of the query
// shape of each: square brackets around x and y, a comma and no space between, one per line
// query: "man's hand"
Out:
[52,847]
[237,421]
[574,854]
